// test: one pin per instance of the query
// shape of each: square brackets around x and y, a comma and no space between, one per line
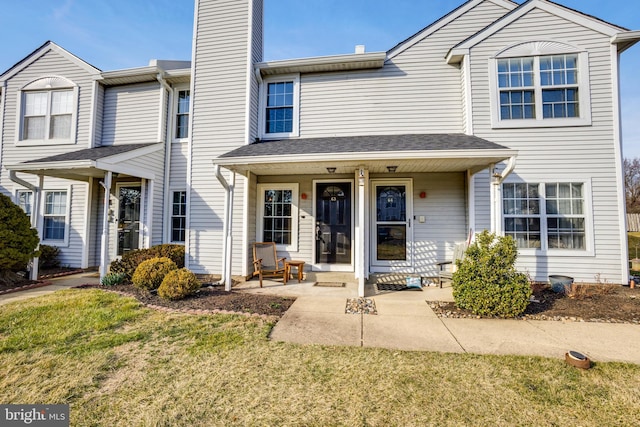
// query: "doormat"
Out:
[396,287]
[360,306]
[330,284]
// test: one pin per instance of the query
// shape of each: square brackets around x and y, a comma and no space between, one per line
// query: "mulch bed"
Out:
[622,305]
[209,299]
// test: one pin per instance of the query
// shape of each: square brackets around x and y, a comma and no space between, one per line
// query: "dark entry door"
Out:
[333,223]
[128,219]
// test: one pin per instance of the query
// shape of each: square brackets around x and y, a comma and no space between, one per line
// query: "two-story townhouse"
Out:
[497,116]
[97,159]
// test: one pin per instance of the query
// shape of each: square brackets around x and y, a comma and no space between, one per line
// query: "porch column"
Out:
[362,176]
[497,178]
[227,228]
[38,208]
[104,241]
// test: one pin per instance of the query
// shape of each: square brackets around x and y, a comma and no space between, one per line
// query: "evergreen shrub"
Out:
[150,273]
[178,284]
[487,282]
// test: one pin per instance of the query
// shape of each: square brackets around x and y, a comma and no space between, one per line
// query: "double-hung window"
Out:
[47,111]
[534,89]
[182,114]
[178,216]
[278,215]
[547,215]
[56,212]
[24,199]
[280,107]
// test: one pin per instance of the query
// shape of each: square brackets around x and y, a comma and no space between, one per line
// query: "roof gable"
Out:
[438,24]
[588,21]
[39,53]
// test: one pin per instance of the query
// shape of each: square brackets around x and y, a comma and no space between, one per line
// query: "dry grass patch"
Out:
[181,370]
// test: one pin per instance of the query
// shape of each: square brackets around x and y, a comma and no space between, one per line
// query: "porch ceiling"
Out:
[89,163]
[409,153]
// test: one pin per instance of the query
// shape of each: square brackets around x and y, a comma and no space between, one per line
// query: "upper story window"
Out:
[536,89]
[182,114]
[47,111]
[279,115]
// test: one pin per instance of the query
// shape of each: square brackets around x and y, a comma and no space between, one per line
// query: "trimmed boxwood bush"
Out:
[150,273]
[487,282]
[131,260]
[178,284]
[49,256]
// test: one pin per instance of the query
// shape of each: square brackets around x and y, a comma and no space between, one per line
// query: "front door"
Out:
[128,218]
[333,223]
[391,234]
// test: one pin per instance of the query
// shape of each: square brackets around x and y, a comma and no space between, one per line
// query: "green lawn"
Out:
[119,364]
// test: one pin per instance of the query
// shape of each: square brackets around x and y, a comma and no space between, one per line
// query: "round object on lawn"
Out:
[577,359]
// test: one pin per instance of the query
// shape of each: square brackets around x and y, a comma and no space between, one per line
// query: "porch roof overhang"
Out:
[89,163]
[409,153]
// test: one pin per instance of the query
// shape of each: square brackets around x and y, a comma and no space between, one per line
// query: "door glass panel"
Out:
[128,219]
[391,203]
[392,242]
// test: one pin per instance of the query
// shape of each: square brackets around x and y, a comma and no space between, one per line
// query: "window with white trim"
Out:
[56,213]
[278,215]
[538,85]
[47,111]
[24,199]
[178,216]
[182,114]
[280,99]
[546,216]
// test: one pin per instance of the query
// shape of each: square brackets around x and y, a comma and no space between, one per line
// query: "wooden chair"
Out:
[266,262]
[447,268]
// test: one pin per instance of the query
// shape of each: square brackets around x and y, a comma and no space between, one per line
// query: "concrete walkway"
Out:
[58,283]
[406,322]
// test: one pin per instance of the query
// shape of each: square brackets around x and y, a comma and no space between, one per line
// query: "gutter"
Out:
[226,229]
[167,156]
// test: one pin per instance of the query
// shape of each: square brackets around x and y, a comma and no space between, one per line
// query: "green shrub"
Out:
[178,284]
[112,279]
[150,273]
[487,282]
[49,256]
[131,260]
[18,241]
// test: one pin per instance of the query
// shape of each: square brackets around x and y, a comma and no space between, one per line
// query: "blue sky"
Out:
[114,34]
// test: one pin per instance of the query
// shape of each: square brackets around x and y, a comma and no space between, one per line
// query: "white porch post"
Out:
[497,178]
[227,228]
[362,271]
[39,223]
[104,241]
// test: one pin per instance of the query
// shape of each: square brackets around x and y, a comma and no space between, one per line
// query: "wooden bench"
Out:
[447,268]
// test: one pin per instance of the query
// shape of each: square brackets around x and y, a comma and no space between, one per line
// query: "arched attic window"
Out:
[48,108]
[540,84]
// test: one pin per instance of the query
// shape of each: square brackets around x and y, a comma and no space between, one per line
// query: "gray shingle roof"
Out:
[91,153]
[363,144]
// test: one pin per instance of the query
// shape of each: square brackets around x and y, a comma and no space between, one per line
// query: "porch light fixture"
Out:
[331,170]
[392,169]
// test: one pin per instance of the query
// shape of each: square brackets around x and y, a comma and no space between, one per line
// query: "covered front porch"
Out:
[118,184]
[364,204]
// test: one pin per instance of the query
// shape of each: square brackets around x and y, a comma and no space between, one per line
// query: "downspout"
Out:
[104,241]
[496,190]
[35,209]
[167,159]
[227,242]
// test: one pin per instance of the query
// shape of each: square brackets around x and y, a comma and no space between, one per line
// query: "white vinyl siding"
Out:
[131,114]
[415,92]
[222,89]
[560,154]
